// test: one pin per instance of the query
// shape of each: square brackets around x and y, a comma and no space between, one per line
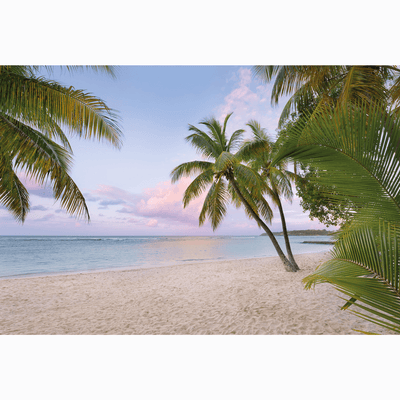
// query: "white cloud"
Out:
[250,100]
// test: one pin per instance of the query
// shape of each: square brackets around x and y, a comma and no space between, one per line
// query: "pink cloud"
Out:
[161,202]
[165,201]
[161,207]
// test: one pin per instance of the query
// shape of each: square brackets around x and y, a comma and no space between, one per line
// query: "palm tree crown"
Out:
[34,111]
[227,178]
[259,153]
[216,173]
[317,85]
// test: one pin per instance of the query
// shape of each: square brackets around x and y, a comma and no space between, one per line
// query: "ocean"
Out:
[22,256]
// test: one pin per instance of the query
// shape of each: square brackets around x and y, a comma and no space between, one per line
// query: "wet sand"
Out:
[242,297]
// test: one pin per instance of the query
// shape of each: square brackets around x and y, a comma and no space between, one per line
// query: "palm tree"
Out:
[356,150]
[226,178]
[34,111]
[313,85]
[258,153]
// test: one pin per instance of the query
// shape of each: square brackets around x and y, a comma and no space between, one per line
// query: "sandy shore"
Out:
[254,296]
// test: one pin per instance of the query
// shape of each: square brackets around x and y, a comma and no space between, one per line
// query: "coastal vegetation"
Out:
[312,87]
[341,125]
[227,178]
[35,114]
[355,148]
[308,189]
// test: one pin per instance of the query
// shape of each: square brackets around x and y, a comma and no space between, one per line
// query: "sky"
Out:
[128,191]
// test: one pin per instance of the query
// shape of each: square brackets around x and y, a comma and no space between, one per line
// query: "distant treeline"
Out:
[308,232]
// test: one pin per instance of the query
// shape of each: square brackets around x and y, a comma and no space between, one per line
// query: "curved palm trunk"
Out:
[285,234]
[288,265]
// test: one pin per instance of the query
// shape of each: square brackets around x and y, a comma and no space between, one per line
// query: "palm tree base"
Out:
[290,266]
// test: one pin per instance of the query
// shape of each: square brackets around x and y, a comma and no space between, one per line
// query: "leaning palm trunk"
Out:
[289,266]
[285,234]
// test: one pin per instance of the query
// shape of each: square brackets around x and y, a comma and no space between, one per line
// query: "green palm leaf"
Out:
[365,267]
[312,85]
[216,132]
[43,160]
[355,149]
[202,143]
[250,178]
[36,100]
[32,111]
[355,154]
[13,194]
[259,145]
[189,168]
[235,140]
[224,161]
[198,186]
[215,203]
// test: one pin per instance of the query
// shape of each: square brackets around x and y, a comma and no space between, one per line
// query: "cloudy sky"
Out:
[128,191]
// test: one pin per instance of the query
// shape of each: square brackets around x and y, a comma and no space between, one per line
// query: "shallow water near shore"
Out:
[22,256]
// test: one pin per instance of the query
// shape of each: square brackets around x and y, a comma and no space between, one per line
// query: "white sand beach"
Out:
[242,297]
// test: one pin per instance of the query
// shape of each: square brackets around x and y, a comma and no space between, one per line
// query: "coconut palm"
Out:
[258,153]
[226,179]
[313,85]
[359,155]
[34,112]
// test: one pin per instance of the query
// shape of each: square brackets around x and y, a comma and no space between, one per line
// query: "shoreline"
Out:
[134,268]
[241,297]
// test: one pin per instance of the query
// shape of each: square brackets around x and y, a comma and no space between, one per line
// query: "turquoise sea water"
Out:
[44,255]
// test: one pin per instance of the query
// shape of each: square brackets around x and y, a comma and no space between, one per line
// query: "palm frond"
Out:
[303,95]
[281,182]
[394,91]
[189,168]
[306,84]
[250,178]
[43,160]
[202,143]
[266,72]
[237,202]
[13,194]
[225,123]
[198,186]
[357,155]
[108,69]
[224,161]
[363,83]
[235,140]
[252,150]
[264,209]
[36,100]
[365,267]
[216,132]
[30,148]
[54,132]
[215,203]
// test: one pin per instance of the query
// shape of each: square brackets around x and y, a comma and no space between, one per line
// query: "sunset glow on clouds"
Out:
[130,208]
[160,204]
[157,210]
